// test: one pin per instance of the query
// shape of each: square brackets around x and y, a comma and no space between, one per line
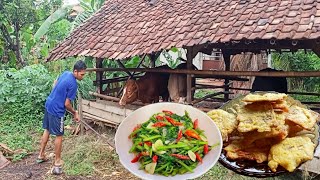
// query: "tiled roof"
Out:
[124,28]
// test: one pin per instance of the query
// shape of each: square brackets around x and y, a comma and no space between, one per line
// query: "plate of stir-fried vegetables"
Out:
[168,141]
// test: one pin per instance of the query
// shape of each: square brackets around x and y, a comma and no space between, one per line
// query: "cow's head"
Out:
[130,92]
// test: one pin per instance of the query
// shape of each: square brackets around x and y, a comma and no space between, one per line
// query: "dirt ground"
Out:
[28,169]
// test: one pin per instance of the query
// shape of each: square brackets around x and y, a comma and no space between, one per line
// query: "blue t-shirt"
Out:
[66,87]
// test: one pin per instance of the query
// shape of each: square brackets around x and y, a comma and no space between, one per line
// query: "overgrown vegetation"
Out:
[22,96]
[300,61]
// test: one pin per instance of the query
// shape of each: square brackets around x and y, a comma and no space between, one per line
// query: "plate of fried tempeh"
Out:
[266,134]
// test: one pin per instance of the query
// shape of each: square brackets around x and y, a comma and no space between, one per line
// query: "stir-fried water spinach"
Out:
[169,144]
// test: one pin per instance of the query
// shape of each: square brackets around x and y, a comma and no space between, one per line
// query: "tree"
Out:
[17,21]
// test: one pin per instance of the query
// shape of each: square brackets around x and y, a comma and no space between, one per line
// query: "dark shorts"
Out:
[53,124]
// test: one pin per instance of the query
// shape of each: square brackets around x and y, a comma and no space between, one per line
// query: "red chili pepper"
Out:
[155,158]
[179,136]
[167,112]
[173,122]
[148,143]
[140,143]
[198,157]
[136,159]
[196,124]
[205,149]
[137,127]
[159,118]
[179,156]
[159,124]
[134,129]
[192,134]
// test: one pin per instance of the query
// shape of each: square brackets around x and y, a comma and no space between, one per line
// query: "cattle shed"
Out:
[122,29]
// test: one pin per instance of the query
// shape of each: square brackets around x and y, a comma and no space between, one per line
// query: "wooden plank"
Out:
[103,114]
[110,98]
[130,107]
[108,108]
[96,118]
[287,74]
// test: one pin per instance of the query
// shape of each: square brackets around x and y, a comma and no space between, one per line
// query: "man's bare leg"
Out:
[57,151]
[44,140]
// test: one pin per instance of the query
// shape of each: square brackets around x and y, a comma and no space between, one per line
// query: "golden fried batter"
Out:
[302,116]
[290,152]
[280,106]
[260,118]
[225,121]
[293,128]
[277,133]
[264,97]
[236,150]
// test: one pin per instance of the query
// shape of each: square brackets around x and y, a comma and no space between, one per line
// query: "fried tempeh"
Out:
[277,133]
[236,150]
[264,97]
[290,152]
[304,117]
[260,117]
[225,121]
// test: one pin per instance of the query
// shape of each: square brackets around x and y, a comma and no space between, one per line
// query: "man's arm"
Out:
[69,107]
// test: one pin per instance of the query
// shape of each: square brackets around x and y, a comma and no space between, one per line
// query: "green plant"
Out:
[18,21]
[299,61]
[89,7]
[22,96]
[172,63]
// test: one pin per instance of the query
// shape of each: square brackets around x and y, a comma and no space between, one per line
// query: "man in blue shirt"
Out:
[64,91]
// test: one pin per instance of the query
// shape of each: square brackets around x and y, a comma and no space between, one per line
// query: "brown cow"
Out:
[147,89]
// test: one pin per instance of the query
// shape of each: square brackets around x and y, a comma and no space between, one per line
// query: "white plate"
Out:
[141,115]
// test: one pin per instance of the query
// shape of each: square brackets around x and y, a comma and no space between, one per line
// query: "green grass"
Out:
[89,156]
[200,93]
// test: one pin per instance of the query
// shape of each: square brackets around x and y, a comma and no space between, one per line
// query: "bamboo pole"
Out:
[218,73]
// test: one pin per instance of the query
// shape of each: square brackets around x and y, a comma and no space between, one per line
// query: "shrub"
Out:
[22,96]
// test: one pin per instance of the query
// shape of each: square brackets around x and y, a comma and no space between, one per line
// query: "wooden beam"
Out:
[287,74]
[110,98]
[226,58]
[124,68]
[99,75]
[116,79]
[153,58]
[222,77]
[80,114]
[256,46]
[189,78]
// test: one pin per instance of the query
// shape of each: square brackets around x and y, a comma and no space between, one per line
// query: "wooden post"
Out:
[226,57]
[189,76]
[153,59]
[99,75]
[80,114]
[124,68]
